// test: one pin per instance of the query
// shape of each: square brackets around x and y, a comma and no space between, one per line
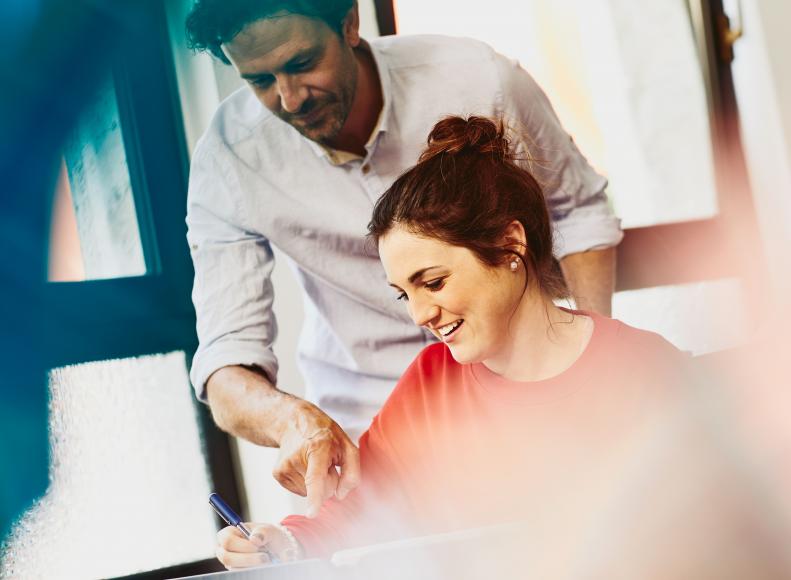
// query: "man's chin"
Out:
[323,133]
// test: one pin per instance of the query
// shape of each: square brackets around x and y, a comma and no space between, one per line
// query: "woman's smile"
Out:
[449,332]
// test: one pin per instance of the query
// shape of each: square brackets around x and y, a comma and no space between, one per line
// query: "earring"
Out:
[514,265]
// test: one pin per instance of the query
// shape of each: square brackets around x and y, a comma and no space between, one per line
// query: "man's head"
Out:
[297,56]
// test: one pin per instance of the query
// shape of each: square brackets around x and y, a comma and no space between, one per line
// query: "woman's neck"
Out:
[543,340]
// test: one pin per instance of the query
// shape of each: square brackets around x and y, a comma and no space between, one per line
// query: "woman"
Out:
[519,401]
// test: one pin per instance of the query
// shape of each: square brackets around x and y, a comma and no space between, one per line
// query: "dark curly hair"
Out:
[211,23]
[465,190]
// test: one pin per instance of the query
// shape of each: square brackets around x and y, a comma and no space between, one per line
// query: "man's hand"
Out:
[245,404]
[312,446]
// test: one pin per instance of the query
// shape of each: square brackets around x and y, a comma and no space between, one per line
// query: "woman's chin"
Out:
[463,356]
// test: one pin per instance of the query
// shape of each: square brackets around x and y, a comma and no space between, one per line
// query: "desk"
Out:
[491,552]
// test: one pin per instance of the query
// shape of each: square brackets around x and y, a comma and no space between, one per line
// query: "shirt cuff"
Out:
[227,354]
[583,231]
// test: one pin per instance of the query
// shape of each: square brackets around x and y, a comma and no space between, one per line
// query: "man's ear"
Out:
[351,27]
[514,237]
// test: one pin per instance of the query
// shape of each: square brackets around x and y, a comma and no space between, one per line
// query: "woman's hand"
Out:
[266,542]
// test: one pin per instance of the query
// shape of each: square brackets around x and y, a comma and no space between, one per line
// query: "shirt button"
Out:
[366,169]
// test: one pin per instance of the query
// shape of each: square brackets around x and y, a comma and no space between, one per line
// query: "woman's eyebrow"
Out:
[414,277]
[419,274]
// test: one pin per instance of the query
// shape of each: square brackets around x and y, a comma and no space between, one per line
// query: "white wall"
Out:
[762,76]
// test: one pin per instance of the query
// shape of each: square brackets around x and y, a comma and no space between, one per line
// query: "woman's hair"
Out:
[212,23]
[465,190]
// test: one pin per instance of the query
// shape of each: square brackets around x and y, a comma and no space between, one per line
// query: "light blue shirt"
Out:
[256,182]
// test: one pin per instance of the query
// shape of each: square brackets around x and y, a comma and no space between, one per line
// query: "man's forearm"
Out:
[590,277]
[244,403]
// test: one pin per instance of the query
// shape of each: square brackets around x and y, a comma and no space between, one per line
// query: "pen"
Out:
[232,519]
[226,513]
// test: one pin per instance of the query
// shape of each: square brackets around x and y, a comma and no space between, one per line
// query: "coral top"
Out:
[458,446]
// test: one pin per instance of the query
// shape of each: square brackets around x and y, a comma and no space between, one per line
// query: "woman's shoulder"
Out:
[636,339]
[420,389]
[431,365]
[432,370]
[626,346]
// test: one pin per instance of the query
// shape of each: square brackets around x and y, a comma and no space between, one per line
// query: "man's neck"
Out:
[366,107]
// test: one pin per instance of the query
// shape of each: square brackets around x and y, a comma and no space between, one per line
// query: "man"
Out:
[341,119]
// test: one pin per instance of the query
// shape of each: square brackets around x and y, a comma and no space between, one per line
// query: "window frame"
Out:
[81,319]
[725,244]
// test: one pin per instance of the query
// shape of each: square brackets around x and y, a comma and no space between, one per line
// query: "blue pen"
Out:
[233,519]
[226,513]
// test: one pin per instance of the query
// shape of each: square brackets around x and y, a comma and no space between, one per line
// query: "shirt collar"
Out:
[337,157]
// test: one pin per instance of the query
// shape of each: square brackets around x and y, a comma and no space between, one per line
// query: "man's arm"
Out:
[574,192]
[236,328]
[246,404]
[591,279]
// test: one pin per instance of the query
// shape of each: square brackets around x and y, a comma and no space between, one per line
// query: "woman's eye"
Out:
[435,285]
[402,296]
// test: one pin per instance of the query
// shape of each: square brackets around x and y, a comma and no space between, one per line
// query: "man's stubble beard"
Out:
[342,103]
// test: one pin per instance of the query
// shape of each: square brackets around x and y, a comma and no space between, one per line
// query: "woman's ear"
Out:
[514,237]
[351,27]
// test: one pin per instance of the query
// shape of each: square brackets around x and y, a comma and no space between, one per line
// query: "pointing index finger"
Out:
[319,462]
[350,471]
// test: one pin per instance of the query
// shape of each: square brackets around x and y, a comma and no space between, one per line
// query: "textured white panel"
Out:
[699,318]
[128,481]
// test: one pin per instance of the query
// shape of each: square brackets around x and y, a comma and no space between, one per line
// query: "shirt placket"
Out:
[372,182]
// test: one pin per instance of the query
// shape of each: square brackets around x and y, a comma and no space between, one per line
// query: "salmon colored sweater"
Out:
[458,446]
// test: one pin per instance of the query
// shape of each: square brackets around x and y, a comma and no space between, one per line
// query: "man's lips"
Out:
[308,118]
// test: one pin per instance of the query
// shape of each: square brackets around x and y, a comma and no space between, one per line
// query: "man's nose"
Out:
[292,93]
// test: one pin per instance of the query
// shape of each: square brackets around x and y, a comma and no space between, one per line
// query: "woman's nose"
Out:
[424,313]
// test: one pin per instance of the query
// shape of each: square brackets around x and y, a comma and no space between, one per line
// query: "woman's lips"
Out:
[451,336]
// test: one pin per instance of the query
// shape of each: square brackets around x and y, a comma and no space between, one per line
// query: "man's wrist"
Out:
[246,404]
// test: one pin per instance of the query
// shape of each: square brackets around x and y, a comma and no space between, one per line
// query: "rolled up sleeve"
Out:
[575,193]
[232,291]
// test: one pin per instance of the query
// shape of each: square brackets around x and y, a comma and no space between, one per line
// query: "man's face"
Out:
[301,70]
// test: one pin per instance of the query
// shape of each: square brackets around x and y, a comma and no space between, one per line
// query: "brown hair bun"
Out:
[467,190]
[477,135]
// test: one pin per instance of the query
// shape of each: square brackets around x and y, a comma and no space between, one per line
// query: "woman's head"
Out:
[478,222]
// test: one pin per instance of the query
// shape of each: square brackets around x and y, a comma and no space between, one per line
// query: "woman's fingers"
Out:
[274,541]
[231,539]
[235,560]
[234,550]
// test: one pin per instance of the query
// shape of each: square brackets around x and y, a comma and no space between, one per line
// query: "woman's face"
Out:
[466,304]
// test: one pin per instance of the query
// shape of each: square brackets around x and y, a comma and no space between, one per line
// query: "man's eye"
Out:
[303,65]
[435,285]
[263,82]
